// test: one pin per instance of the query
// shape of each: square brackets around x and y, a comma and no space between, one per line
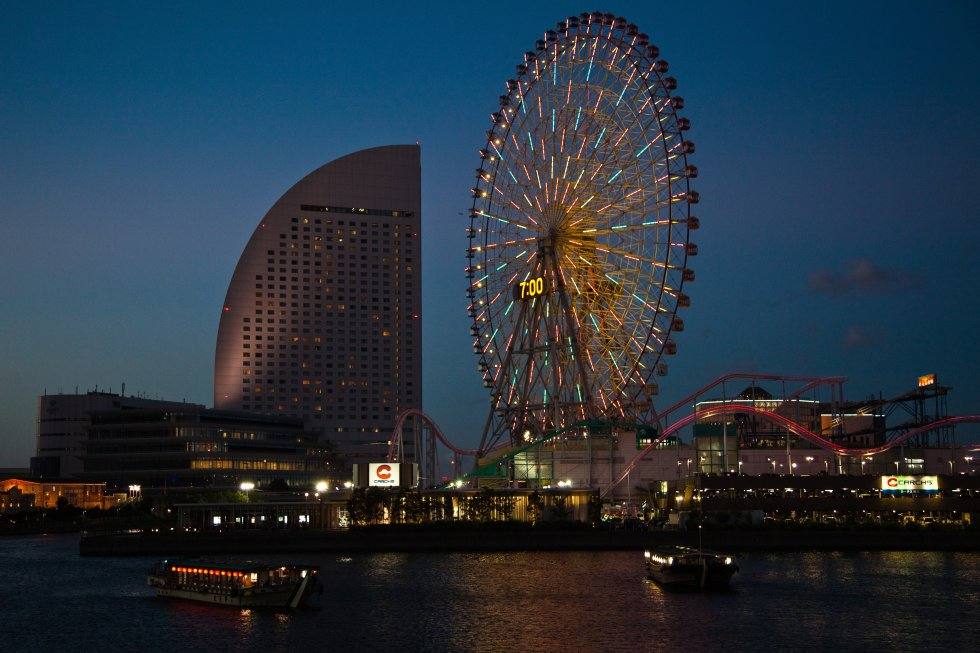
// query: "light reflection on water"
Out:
[53,599]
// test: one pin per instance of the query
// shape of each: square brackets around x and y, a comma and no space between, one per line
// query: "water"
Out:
[52,599]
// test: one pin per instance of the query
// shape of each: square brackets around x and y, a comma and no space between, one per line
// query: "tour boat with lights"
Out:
[242,585]
[686,567]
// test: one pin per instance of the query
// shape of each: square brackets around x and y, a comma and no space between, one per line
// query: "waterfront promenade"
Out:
[387,539]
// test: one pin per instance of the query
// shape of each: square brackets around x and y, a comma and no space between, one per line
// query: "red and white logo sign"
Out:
[383,474]
[909,483]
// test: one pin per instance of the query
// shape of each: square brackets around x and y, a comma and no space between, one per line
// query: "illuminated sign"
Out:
[530,288]
[909,483]
[383,474]
[926,380]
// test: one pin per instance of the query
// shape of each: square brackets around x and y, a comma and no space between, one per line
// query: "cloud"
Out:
[861,276]
[856,338]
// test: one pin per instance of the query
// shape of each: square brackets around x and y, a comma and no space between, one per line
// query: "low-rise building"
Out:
[14,500]
[192,446]
[604,461]
[47,492]
[62,427]
[326,514]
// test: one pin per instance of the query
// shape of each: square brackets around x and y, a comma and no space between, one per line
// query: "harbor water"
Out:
[53,600]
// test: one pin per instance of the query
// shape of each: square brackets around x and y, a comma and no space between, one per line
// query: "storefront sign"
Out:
[383,474]
[909,483]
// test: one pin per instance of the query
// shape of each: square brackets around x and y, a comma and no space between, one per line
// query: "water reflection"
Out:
[496,602]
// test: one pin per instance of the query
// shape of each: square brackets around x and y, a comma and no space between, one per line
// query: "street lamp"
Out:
[773,466]
[246,486]
[896,466]
[322,486]
[866,460]
[740,467]
[791,468]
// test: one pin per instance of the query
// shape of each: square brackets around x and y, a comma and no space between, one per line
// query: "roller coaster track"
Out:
[394,445]
[789,425]
[811,383]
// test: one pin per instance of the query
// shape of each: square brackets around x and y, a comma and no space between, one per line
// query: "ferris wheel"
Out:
[579,232]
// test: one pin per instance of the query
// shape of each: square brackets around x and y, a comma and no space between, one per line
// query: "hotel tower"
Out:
[322,316]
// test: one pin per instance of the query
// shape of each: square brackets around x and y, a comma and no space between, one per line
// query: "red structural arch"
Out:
[789,425]
[812,382]
[396,435]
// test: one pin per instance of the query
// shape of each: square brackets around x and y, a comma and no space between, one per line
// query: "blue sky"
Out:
[139,146]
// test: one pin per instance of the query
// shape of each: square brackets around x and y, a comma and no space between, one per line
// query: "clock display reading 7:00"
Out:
[530,288]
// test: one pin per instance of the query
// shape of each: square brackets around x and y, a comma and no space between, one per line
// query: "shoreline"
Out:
[382,540]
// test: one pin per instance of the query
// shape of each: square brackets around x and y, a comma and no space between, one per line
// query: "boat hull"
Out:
[275,599]
[692,576]
[683,567]
[229,585]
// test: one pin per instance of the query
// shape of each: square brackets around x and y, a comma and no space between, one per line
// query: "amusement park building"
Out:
[603,465]
[322,317]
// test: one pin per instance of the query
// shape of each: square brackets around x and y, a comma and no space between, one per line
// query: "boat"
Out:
[682,567]
[243,585]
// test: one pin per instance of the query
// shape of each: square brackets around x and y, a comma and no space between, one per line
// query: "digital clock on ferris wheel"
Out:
[534,287]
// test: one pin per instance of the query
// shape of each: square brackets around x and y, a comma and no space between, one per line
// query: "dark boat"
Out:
[682,567]
[243,585]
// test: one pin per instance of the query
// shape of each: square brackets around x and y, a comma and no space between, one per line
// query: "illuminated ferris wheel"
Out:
[579,231]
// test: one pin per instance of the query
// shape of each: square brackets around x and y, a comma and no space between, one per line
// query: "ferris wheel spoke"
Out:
[636,257]
[624,228]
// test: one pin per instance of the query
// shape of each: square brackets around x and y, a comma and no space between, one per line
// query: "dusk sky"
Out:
[838,146]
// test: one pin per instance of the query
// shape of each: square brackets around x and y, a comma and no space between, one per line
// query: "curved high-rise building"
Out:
[322,316]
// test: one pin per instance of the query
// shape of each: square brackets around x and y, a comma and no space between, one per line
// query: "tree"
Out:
[416,508]
[535,503]
[357,507]
[64,511]
[278,485]
[506,504]
[374,500]
[559,507]
[480,508]
[595,508]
